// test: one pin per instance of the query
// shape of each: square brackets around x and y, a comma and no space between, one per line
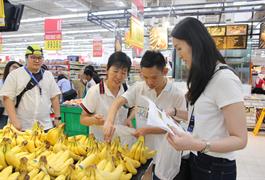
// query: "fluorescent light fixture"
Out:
[67,16]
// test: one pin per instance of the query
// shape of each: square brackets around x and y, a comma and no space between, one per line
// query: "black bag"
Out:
[71,94]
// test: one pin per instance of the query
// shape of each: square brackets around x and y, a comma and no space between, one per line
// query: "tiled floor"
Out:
[251,160]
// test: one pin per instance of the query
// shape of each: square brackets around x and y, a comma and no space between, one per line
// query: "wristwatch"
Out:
[206,148]
[58,118]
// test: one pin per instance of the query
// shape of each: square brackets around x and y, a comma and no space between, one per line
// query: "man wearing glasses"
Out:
[29,92]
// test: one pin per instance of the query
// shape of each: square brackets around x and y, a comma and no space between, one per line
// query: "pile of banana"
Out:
[37,155]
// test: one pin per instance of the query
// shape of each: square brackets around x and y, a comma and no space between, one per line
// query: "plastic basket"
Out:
[71,117]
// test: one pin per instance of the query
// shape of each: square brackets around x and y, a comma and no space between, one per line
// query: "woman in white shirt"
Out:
[99,98]
[10,66]
[217,122]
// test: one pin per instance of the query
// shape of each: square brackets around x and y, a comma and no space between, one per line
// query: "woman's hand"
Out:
[184,141]
[171,111]
[99,120]
[109,130]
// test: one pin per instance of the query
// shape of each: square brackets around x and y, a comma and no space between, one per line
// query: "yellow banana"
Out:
[87,161]
[150,154]
[135,163]
[11,159]
[143,159]
[2,158]
[109,166]
[127,176]
[39,176]
[6,172]
[13,176]
[33,173]
[138,152]
[46,177]
[130,167]
[133,149]
[61,177]
[102,164]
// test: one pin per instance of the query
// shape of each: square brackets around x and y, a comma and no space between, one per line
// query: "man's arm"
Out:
[108,125]
[56,108]
[148,130]
[11,111]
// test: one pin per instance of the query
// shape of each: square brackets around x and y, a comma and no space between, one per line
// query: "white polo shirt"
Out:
[170,97]
[96,102]
[33,105]
[223,89]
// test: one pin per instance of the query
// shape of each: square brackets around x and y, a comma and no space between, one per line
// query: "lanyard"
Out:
[192,121]
[34,79]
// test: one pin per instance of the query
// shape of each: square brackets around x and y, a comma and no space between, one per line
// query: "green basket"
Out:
[71,117]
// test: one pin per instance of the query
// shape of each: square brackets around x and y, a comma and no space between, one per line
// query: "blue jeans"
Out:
[205,167]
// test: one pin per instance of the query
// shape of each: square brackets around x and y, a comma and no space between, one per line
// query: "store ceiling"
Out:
[78,32]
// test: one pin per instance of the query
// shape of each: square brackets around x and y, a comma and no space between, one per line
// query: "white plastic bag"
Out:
[125,134]
[167,161]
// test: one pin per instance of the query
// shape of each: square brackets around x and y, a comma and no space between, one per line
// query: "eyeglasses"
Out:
[33,57]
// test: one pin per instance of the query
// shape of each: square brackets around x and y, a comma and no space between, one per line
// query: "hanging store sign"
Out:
[127,39]
[97,48]
[2,13]
[230,36]
[137,33]
[53,34]
[262,36]
[158,38]
[118,42]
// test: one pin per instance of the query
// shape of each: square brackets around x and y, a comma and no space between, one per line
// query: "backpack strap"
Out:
[101,87]
[125,87]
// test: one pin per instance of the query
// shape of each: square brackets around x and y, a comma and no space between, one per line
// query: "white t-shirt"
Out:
[170,97]
[97,103]
[89,84]
[33,106]
[223,89]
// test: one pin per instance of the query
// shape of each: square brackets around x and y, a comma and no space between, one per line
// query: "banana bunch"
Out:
[54,134]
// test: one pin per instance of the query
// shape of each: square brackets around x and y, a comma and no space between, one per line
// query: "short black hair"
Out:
[7,68]
[153,59]
[61,76]
[119,60]
[88,72]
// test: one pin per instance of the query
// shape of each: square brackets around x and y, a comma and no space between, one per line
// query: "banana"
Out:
[2,158]
[102,164]
[46,177]
[149,154]
[143,158]
[133,149]
[87,161]
[6,172]
[127,176]
[33,173]
[115,174]
[39,176]
[13,176]
[135,163]
[11,159]
[138,152]
[74,156]
[81,150]
[60,161]
[130,167]
[61,177]
[54,134]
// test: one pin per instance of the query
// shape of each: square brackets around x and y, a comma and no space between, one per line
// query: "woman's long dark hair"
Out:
[7,68]
[205,55]
[61,76]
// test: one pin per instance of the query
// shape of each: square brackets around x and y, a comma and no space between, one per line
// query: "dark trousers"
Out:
[3,121]
[205,167]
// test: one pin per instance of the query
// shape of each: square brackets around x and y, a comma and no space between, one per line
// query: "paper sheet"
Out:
[158,118]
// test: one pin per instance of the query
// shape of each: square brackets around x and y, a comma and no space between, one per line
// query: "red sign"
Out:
[53,34]
[97,48]
[139,4]
[52,25]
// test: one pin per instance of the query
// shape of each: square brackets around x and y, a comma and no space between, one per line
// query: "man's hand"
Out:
[140,132]
[99,119]
[17,124]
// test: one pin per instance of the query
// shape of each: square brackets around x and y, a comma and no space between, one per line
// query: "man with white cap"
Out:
[29,92]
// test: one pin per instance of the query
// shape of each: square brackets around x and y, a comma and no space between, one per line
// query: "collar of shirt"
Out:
[167,88]
[108,92]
